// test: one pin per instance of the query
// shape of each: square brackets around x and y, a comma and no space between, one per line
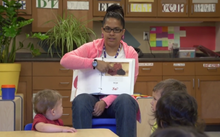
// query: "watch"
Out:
[94,63]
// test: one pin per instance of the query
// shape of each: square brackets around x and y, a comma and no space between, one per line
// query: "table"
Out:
[98,132]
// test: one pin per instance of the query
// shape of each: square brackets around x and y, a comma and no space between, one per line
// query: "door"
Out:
[209,8]
[139,8]
[25,9]
[81,9]
[173,8]
[25,88]
[44,11]
[100,6]
[145,84]
[189,81]
[207,96]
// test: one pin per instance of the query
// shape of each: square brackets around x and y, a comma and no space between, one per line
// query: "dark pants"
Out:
[123,109]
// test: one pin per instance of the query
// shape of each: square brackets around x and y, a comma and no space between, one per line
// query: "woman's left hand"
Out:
[99,108]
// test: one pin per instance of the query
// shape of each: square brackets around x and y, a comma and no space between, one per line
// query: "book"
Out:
[118,80]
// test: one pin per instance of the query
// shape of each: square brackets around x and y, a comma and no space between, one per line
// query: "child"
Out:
[178,132]
[48,108]
[176,108]
[163,87]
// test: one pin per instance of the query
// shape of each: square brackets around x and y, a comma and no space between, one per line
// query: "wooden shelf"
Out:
[166,19]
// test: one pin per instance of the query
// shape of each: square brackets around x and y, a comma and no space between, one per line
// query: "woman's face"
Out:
[112,32]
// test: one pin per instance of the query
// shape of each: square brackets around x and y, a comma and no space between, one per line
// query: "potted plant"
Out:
[10,27]
[68,33]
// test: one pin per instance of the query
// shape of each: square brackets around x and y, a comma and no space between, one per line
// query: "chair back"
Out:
[28,126]
[109,123]
[147,117]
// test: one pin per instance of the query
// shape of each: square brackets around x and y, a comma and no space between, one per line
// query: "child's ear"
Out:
[52,111]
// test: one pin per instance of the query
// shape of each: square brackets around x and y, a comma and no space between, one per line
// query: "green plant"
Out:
[68,33]
[10,27]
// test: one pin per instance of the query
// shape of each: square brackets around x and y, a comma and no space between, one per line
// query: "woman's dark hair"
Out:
[178,132]
[176,108]
[115,11]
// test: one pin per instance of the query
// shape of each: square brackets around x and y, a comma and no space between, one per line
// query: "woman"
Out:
[86,106]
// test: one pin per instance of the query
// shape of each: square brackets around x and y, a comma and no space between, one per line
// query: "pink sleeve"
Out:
[109,99]
[79,58]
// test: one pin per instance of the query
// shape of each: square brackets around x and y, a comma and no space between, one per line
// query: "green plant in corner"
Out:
[68,33]
[10,27]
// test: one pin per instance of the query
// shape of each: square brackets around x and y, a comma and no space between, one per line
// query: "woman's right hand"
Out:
[103,66]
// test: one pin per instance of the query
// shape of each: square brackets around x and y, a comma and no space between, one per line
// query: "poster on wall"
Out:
[163,37]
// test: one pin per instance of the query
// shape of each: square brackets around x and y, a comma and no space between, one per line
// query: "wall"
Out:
[217,36]
[136,29]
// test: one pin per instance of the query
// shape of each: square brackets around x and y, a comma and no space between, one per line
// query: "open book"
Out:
[116,81]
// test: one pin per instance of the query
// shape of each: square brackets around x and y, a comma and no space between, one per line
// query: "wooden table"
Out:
[80,133]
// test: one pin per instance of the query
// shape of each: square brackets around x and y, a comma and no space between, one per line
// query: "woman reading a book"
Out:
[86,106]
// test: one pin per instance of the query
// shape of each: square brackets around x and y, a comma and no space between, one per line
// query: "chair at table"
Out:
[109,123]
[28,126]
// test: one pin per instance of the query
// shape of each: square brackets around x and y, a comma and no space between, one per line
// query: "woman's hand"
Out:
[99,108]
[103,66]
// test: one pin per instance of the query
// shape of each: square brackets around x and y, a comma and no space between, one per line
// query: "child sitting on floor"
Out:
[48,108]
[163,87]
[177,108]
[178,132]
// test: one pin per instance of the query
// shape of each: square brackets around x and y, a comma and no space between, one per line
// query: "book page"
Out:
[121,79]
[89,81]
[74,86]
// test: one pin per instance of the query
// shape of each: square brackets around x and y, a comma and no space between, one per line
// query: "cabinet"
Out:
[184,72]
[188,8]
[204,9]
[51,75]
[25,10]
[173,8]
[25,88]
[207,91]
[149,75]
[131,8]
[202,80]
[141,9]
[46,12]
[100,6]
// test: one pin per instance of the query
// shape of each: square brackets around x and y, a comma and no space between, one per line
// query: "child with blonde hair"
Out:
[48,108]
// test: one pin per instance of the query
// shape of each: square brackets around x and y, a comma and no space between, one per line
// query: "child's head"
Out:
[163,87]
[49,103]
[178,132]
[176,108]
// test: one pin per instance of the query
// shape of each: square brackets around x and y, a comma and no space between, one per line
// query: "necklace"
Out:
[116,52]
